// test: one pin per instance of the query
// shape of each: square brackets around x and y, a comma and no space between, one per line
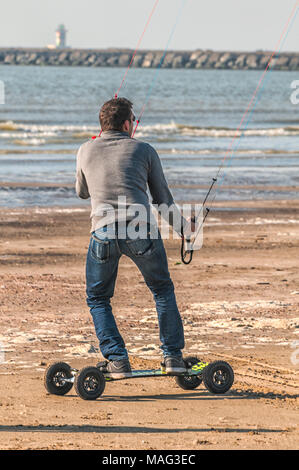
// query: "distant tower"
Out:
[61,36]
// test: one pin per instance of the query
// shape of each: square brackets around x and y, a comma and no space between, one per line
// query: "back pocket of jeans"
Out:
[100,250]
[141,247]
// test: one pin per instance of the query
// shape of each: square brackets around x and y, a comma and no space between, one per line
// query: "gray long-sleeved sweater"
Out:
[116,171]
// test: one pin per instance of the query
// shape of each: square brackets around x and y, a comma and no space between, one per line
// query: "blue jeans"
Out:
[101,271]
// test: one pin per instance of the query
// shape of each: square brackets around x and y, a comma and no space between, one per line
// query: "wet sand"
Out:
[239,300]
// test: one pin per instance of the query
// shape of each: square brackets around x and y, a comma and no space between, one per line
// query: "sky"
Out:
[246,25]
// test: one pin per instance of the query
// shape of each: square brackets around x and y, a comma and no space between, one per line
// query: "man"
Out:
[109,168]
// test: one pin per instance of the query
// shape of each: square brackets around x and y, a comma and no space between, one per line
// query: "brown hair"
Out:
[114,113]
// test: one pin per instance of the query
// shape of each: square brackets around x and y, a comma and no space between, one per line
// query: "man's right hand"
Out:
[190,228]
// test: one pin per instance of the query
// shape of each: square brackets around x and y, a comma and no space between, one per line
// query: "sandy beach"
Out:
[239,300]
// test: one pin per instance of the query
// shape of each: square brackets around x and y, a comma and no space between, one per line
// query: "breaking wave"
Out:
[195,131]
[27,131]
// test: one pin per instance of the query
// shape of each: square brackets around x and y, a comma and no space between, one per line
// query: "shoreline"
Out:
[256,204]
[285,196]
[33,184]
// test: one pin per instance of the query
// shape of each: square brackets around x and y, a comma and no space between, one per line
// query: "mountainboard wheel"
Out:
[218,377]
[90,383]
[189,382]
[55,376]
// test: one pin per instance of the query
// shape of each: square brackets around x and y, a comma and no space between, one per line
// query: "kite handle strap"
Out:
[184,253]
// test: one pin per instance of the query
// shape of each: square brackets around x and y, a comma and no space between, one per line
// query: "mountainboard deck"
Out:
[195,370]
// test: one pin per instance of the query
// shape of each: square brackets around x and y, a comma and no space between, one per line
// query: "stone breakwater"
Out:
[199,59]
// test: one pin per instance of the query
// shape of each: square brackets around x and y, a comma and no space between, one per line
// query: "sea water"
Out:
[191,119]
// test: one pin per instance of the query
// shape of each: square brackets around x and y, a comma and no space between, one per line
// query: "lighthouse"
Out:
[61,36]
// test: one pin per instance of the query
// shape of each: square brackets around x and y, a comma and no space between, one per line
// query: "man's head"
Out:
[117,115]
